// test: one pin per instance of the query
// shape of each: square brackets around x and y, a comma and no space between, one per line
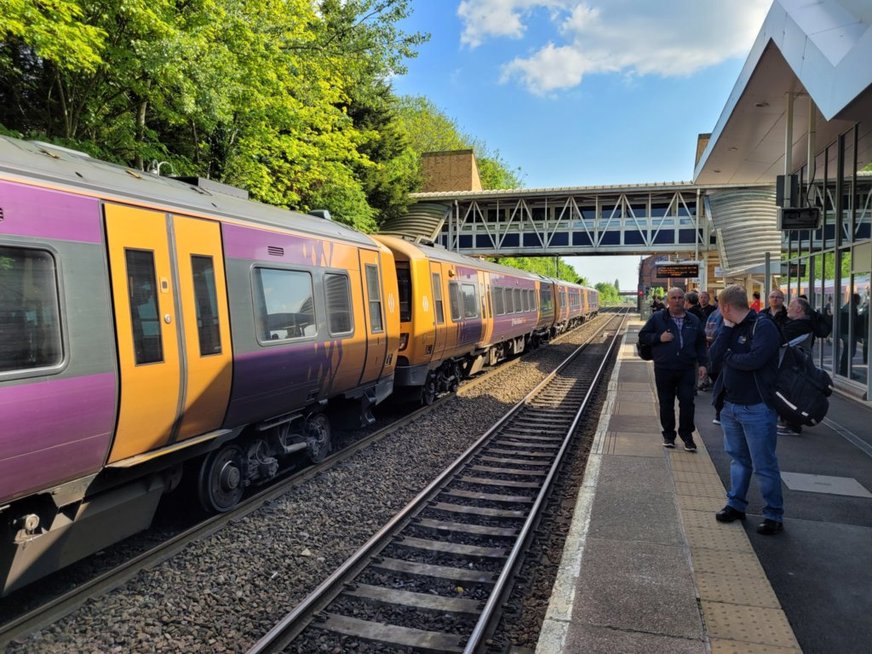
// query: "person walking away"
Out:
[746,353]
[849,319]
[712,329]
[798,325]
[677,341]
[776,310]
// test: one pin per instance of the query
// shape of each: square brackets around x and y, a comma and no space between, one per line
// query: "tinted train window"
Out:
[284,306]
[519,307]
[499,306]
[404,284]
[206,299]
[454,300]
[338,303]
[374,290]
[144,316]
[533,306]
[437,299]
[545,298]
[30,329]
[526,299]
[470,302]
[510,304]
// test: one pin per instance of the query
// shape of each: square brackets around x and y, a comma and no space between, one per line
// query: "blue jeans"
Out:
[749,439]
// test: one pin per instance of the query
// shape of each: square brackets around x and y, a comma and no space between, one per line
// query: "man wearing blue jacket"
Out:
[746,353]
[677,340]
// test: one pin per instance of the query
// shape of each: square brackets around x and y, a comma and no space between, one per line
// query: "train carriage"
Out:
[491,312]
[147,323]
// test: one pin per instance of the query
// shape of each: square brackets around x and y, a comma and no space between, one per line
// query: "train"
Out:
[156,330]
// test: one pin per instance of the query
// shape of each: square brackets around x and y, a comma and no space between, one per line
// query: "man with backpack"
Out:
[746,353]
[677,341]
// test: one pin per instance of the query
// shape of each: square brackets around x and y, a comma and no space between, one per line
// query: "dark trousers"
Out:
[672,383]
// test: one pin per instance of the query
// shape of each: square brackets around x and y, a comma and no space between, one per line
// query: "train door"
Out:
[487,323]
[156,384]
[376,335]
[438,295]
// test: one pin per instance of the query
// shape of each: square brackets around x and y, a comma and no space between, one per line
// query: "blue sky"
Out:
[583,93]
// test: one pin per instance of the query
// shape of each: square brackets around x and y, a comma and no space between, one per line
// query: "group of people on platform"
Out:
[732,349]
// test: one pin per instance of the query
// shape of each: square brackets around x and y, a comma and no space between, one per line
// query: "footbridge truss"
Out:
[664,218]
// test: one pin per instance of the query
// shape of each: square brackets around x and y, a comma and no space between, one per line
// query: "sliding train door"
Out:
[167,282]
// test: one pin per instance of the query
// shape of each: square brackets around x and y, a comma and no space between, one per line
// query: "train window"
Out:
[404,285]
[206,299]
[510,303]
[30,328]
[533,298]
[470,302]
[499,305]
[374,290]
[339,303]
[144,310]
[526,299]
[437,299]
[518,306]
[284,303]
[454,300]
[545,299]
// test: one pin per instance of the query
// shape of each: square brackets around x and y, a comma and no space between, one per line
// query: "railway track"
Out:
[59,606]
[435,577]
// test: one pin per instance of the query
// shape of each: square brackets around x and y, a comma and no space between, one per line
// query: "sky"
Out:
[582,93]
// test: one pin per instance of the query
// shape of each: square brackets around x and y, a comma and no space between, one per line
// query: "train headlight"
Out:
[404,341]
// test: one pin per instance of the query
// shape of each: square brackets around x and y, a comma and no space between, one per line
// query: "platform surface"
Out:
[647,568]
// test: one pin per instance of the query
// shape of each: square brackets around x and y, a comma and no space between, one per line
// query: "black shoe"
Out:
[689,445]
[668,443]
[770,527]
[729,514]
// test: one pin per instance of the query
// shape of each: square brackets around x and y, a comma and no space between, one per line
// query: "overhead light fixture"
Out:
[716,170]
[760,105]
[732,148]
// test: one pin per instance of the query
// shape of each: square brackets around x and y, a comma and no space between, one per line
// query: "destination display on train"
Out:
[677,269]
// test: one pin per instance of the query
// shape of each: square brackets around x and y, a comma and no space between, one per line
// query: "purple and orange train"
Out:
[152,328]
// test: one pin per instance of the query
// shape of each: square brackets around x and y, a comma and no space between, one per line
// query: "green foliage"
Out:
[609,294]
[431,130]
[283,97]
[544,266]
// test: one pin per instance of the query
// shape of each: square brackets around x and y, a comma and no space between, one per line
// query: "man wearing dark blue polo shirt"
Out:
[746,353]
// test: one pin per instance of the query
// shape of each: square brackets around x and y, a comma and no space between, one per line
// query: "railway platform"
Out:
[647,568]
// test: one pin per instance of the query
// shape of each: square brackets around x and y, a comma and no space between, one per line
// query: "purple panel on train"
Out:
[260,245]
[40,213]
[280,378]
[54,431]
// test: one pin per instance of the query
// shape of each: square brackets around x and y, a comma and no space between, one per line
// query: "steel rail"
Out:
[290,626]
[64,604]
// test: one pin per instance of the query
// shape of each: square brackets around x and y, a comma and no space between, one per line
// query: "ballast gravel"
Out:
[225,592]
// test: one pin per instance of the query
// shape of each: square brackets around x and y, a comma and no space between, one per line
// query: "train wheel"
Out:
[317,437]
[220,484]
[429,391]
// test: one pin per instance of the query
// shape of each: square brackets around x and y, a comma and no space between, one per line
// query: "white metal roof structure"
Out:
[807,49]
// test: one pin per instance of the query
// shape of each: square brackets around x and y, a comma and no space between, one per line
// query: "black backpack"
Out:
[645,352]
[801,388]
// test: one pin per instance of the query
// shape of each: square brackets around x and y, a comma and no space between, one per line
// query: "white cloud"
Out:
[633,37]
[486,18]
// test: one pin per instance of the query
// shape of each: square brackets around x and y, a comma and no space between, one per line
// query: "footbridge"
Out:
[738,224]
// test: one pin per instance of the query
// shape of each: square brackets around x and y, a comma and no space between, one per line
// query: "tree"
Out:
[608,294]
[544,266]
[431,130]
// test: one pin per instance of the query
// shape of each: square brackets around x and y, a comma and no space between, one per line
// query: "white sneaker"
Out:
[715,421]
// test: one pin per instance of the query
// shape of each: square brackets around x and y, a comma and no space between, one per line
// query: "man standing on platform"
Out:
[746,353]
[677,341]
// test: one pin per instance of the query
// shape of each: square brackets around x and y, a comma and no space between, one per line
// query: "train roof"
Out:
[29,160]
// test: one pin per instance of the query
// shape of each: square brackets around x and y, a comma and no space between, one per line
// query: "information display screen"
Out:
[677,269]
